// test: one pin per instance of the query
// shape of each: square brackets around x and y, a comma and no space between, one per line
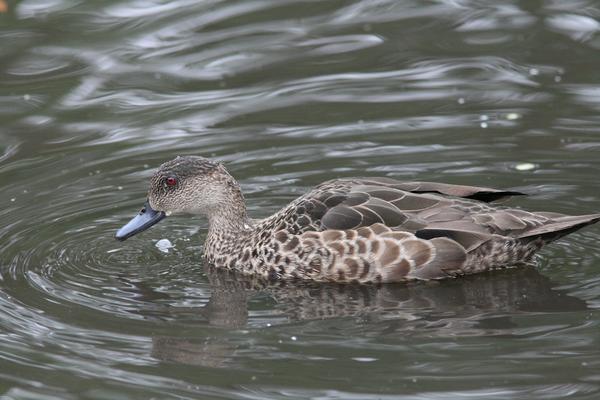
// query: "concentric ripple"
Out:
[58,238]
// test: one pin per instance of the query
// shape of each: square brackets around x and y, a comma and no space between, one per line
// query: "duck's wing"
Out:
[431,210]
[409,206]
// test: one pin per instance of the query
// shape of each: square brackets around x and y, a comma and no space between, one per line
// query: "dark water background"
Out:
[94,95]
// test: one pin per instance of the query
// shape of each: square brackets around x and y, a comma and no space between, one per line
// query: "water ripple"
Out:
[94,96]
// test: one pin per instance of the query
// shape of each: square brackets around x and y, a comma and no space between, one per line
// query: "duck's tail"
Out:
[560,226]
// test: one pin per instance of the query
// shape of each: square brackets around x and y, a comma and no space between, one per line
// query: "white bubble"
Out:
[524,167]
[483,117]
[484,125]
[513,116]
[164,245]
[461,100]
[294,338]
[534,71]
[26,97]
[364,359]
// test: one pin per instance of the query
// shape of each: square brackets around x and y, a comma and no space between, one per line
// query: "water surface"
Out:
[93,96]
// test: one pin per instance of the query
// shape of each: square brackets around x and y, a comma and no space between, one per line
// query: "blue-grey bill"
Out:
[144,220]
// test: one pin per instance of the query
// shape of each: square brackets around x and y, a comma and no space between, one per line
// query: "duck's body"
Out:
[356,229]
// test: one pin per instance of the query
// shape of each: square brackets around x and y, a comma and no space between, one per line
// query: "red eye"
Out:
[171,181]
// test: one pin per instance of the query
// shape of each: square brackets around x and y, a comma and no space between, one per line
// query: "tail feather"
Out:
[560,226]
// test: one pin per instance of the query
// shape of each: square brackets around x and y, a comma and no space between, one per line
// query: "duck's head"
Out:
[188,184]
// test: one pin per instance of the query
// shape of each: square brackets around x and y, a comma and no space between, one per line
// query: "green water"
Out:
[94,95]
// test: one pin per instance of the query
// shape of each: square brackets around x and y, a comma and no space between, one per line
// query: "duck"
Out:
[353,230]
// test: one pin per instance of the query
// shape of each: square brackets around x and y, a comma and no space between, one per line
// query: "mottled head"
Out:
[187,185]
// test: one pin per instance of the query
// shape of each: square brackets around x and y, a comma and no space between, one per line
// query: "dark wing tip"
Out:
[490,196]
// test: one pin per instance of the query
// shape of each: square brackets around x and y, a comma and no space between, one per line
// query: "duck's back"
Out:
[383,230]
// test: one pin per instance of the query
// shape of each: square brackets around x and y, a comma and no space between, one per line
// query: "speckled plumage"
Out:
[360,229]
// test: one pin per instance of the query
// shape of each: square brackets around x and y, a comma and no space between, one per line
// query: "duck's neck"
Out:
[228,220]
[228,229]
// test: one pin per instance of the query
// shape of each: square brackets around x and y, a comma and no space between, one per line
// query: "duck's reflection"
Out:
[501,292]
[481,304]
